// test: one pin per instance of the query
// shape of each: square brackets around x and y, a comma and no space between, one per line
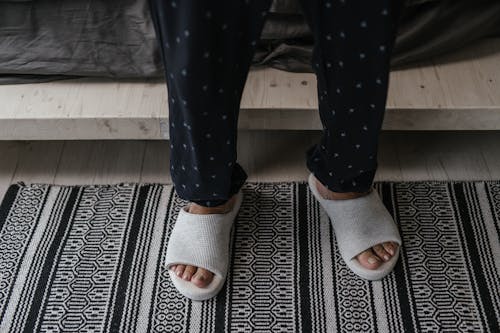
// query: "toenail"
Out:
[185,277]
[390,250]
[372,260]
[386,257]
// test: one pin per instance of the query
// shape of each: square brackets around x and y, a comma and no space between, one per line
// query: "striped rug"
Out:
[89,259]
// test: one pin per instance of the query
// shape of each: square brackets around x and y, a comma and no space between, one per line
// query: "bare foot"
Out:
[376,255]
[197,275]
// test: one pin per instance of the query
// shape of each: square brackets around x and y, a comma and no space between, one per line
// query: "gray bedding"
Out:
[46,39]
[427,28]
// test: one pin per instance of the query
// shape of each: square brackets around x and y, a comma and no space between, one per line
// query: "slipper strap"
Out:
[359,223]
[362,223]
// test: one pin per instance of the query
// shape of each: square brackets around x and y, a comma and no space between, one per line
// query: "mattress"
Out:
[46,39]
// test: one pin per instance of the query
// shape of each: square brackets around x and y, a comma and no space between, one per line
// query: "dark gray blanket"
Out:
[47,39]
[427,28]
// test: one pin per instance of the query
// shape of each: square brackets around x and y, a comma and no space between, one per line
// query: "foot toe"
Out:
[202,278]
[390,247]
[189,272]
[369,260]
[179,270]
[380,251]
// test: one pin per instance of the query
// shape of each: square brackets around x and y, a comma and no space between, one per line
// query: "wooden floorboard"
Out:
[265,156]
[9,155]
[79,163]
[38,161]
[155,168]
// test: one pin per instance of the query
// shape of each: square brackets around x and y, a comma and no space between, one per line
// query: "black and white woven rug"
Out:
[89,259]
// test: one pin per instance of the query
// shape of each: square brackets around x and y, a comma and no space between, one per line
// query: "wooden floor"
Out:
[280,157]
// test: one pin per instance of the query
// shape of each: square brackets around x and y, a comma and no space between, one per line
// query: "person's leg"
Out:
[207,48]
[351,58]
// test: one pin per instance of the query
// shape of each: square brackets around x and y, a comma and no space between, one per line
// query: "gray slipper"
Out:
[359,224]
[201,240]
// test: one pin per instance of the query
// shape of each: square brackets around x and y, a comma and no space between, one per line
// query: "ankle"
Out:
[331,195]
[194,208]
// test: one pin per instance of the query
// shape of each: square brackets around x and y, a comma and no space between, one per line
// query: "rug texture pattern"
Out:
[90,259]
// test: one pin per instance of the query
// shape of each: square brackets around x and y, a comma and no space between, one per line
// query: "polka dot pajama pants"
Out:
[207,48]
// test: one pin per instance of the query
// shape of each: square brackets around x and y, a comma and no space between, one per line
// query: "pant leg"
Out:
[353,44]
[207,48]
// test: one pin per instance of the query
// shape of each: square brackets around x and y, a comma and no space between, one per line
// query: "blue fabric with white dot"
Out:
[207,48]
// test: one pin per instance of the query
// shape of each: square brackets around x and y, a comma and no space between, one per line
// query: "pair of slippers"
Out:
[203,240]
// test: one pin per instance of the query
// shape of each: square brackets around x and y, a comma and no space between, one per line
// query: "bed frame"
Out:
[460,91]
